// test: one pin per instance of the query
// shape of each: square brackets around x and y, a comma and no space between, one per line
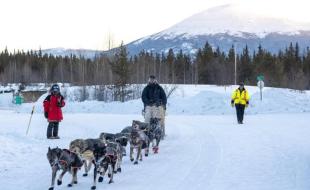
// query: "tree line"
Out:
[289,68]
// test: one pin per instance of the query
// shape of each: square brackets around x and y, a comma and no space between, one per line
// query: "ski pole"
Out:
[30,120]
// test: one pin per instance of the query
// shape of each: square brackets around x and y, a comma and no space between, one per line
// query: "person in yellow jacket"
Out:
[240,99]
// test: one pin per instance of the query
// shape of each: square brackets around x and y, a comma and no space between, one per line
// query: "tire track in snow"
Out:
[207,160]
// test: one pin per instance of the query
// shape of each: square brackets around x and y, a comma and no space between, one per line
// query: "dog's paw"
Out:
[75,182]
[59,182]
[135,163]
[146,155]
[109,175]
[131,159]
[85,175]
[111,181]
[69,185]
[100,179]
[51,188]
[119,170]
[93,187]
[156,150]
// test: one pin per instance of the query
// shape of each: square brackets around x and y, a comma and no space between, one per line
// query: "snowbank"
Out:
[186,100]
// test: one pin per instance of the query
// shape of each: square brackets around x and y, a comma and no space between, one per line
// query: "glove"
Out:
[151,102]
[247,104]
[46,114]
[59,102]
[232,103]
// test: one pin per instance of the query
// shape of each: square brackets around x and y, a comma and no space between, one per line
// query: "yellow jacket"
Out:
[239,97]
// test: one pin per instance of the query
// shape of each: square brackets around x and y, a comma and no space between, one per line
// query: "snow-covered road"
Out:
[200,152]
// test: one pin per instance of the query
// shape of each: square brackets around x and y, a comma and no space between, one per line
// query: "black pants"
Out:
[240,112]
[52,129]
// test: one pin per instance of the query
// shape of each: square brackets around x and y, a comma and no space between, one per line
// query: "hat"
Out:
[55,88]
[152,77]
[241,83]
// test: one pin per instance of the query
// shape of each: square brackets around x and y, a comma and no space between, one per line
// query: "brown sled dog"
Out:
[85,148]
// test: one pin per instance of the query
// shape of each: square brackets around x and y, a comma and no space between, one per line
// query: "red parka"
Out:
[52,105]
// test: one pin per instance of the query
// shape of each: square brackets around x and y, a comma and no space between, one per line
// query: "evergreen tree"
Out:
[120,68]
[245,67]
[171,67]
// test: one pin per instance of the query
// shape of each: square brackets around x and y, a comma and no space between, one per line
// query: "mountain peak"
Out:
[233,19]
[223,26]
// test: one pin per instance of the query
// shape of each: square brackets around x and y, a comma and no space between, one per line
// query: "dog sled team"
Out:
[106,152]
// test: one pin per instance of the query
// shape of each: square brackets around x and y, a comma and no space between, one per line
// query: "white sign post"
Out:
[261,85]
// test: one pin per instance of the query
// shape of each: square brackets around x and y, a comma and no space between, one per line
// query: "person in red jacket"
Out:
[52,111]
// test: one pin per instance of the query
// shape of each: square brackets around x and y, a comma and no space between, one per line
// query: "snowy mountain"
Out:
[86,53]
[221,26]
[232,20]
[224,26]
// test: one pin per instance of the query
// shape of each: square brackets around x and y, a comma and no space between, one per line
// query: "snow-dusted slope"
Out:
[86,53]
[233,20]
[223,27]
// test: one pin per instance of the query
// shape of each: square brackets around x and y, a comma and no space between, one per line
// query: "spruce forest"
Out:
[289,68]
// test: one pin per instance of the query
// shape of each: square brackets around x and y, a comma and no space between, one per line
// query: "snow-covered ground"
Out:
[204,149]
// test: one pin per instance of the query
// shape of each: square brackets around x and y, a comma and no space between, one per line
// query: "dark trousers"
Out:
[240,112]
[52,129]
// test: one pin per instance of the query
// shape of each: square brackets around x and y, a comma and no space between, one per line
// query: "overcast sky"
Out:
[31,24]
